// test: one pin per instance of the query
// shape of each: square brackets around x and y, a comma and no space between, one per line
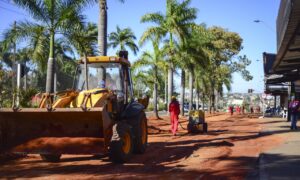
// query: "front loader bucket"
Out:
[60,131]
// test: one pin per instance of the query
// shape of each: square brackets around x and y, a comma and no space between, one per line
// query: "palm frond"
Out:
[157,18]
[36,8]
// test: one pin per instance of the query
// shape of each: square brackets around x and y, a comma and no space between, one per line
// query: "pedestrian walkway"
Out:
[283,161]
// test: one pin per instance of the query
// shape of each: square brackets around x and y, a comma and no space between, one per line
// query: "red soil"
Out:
[228,151]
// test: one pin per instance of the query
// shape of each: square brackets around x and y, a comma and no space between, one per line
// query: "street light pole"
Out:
[268,26]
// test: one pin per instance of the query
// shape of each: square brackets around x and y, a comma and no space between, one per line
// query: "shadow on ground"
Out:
[162,159]
[277,166]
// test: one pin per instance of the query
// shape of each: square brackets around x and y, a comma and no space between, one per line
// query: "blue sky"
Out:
[235,15]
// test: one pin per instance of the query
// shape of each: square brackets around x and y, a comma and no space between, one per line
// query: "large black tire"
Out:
[205,128]
[193,129]
[189,127]
[140,133]
[51,157]
[121,145]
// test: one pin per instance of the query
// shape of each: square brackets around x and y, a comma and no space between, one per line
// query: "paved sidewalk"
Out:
[282,162]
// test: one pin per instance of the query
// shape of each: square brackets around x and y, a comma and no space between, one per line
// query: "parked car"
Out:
[186,107]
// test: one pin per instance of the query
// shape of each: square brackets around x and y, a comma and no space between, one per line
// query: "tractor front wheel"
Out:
[121,145]
[140,133]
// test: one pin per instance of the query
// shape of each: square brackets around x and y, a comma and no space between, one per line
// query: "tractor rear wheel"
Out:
[51,157]
[192,128]
[140,133]
[205,127]
[121,145]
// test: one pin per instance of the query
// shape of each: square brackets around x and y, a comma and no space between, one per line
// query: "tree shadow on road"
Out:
[151,164]
[162,160]
[277,166]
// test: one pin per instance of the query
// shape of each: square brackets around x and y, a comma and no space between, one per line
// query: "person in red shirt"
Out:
[174,110]
[238,109]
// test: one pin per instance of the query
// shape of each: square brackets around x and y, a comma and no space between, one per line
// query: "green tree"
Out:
[202,85]
[155,61]
[174,23]
[195,56]
[83,39]
[123,38]
[224,49]
[51,17]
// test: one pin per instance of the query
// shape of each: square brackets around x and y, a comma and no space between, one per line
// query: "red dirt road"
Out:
[228,151]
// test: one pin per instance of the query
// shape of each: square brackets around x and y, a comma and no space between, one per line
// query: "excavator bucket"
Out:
[59,131]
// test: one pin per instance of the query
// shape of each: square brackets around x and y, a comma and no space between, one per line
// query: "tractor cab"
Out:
[103,76]
[105,72]
[100,75]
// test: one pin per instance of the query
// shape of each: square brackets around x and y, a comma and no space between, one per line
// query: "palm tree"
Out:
[141,81]
[175,23]
[79,40]
[51,17]
[123,38]
[193,56]
[102,27]
[202,84]
[155,60]
[83,39]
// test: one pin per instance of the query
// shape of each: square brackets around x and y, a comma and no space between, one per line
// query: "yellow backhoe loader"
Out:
[98,116]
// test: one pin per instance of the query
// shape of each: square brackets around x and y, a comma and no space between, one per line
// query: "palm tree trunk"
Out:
[25,77]
[86,86]
[203,96]
[182,91]
[216,100]
[210,104]
[55,81]
[170,83]
[191,81]
[102,27]
[155,110]
[14,59]
[213,98]
[197,98]
[166,92]
[50,66]
[170,70]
